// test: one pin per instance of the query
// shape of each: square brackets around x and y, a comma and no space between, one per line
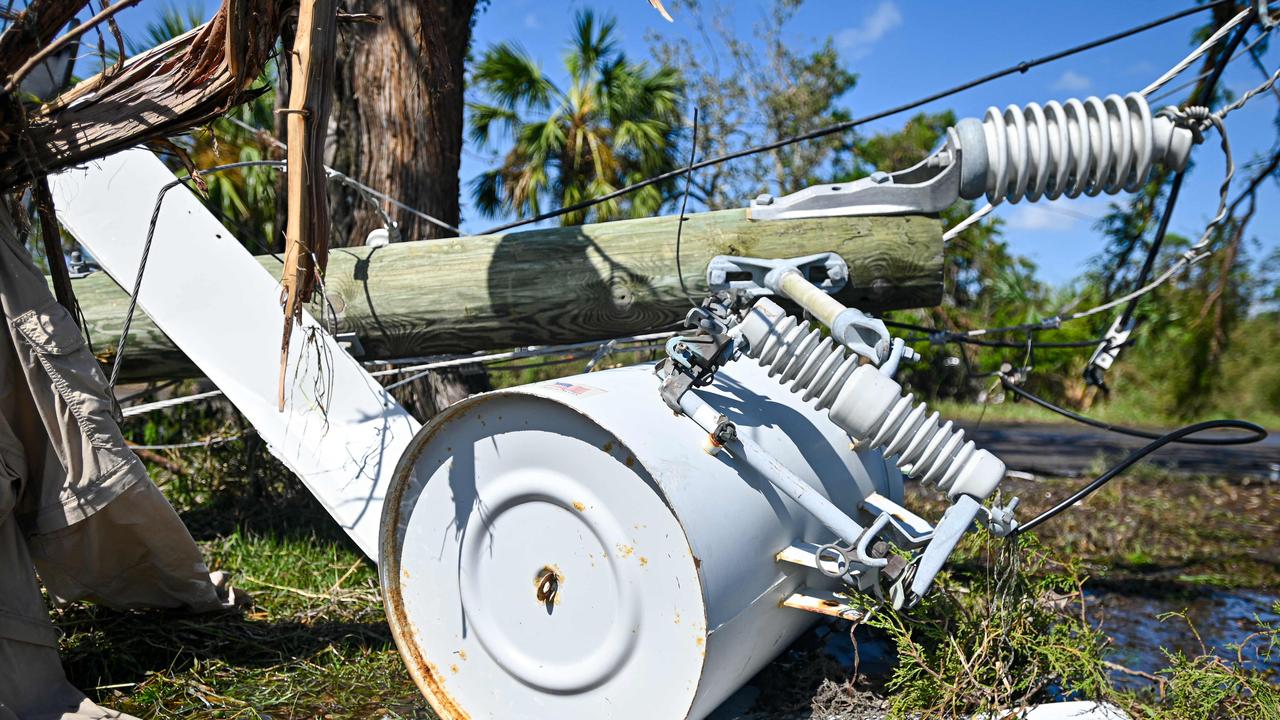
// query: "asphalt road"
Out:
[1069,450]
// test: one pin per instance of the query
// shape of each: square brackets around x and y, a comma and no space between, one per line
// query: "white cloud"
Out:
[1143,67]
[1061,214]
[531,21]
[857,41]
[1039,217]
[1072,81]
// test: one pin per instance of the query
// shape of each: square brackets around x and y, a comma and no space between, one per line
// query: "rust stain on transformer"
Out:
[425,672]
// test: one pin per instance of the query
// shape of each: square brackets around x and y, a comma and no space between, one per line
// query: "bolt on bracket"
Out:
[746,275]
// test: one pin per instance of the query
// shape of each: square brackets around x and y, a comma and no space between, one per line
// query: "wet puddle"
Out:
[1221,618]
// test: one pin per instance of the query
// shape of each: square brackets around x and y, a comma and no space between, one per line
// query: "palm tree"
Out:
[616,122]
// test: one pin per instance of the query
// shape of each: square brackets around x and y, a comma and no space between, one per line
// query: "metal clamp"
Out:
[930,186]
[1108,351]
[746,275]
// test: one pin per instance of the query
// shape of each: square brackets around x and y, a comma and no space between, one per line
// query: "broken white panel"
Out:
[340,432]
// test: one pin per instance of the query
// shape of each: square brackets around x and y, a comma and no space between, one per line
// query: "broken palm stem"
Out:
[307,229]
[51,235]
[161,92]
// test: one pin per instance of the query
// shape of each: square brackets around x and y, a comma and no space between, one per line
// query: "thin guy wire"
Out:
[348,180]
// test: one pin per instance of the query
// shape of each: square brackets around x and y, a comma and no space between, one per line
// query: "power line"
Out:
[1248,49]
[684,203]
[1180,435]
[423,365]
[1018,68]
[1203,95]
[1252,437]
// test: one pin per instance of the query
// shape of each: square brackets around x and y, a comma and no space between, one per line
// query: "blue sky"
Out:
[902,49]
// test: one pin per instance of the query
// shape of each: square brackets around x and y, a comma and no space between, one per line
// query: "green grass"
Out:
[315,643]
[1121,412]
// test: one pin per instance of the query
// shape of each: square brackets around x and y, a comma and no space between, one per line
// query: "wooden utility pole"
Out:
[557,285]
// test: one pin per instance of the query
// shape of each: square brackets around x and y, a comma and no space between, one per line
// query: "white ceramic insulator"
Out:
[868,404]
[1088,146]
[797,353]
[872,408]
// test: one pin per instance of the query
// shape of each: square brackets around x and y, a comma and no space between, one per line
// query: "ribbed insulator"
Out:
[922,448]
[804,359]
[1087,146]
[868,404]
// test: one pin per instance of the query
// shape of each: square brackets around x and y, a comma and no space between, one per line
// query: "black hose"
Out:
[1256,433]
[1179,435]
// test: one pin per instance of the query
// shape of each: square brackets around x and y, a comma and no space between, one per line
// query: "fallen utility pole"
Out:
[554,285]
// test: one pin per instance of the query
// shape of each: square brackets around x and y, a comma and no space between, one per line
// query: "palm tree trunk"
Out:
[398,110]
[398,106]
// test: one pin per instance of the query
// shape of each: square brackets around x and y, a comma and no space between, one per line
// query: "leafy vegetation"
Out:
[1208,686]
[750,91]
[243,199]
[1011,623]
[315,642]
[615,123]
[1010,633]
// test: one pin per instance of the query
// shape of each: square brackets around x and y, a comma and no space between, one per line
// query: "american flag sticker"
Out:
[574,388]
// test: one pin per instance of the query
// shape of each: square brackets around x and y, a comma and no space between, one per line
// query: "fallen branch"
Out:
[33,28]
[34,61]
[154,457]
[1159,681]
[167,90]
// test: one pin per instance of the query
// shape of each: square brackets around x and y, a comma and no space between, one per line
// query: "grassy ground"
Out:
[1149,526]
[315,642]
[1119,413]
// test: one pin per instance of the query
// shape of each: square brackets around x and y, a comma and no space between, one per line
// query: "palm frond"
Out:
[508,75]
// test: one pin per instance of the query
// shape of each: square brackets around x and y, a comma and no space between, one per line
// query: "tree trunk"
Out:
[398,111]
[398,128]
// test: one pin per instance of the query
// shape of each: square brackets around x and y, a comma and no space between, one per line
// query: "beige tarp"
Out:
[75,503]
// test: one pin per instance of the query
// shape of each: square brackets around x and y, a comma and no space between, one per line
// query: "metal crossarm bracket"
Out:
[1030,153]
[930,186]
[746,275]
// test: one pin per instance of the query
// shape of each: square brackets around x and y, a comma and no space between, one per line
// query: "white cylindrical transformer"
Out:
[569,550]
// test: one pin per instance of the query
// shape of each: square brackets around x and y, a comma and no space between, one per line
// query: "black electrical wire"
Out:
[146,252]
[1019,68]
[688,180]
[961,339]
[1180,435]
[1255,433]
[949,336]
